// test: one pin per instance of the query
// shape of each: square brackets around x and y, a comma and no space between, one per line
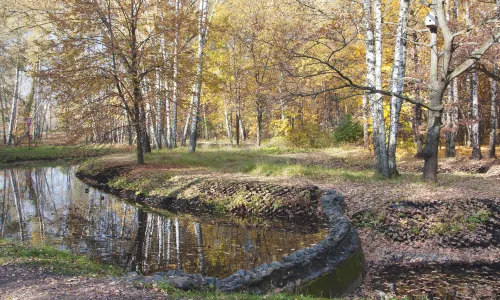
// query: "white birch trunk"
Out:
[153,136]
[365,121]
[186,125]
[370,51]
[13,113]
[398,73]
[168,117]
[242,129]
[476,139]
[160,112]
[381,164]
[468,137]
[229,126]
[175,87]
[195,102]
[493,108]
[2,100]
[202,34]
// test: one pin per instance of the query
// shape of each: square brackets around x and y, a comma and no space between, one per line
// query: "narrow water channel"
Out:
[50,206]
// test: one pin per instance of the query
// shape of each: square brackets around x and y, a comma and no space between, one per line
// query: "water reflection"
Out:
[49,205]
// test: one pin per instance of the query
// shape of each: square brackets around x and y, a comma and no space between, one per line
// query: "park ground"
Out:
[401,221]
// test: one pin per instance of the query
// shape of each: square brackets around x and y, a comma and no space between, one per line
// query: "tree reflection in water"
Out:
[49,205]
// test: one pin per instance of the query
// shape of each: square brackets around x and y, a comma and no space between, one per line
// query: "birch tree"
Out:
[13,112]
[398,74]
[375,100]
[203,23]
[377,104]
[175,67]
[475,134]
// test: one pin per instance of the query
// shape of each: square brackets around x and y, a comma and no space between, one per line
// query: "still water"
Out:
[50,206]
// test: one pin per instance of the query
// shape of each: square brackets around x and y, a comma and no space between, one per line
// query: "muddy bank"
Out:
[157,188]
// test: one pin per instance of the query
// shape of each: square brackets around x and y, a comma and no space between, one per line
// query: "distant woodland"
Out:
[301,73]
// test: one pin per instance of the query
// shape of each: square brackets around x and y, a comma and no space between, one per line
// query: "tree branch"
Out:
[475,55]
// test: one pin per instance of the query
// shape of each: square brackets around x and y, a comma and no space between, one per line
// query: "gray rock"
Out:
[182,282]
[132,274]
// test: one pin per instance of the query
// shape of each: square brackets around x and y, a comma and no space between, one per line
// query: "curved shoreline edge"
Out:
[331,268]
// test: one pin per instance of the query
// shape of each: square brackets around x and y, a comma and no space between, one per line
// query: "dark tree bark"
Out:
[493,110]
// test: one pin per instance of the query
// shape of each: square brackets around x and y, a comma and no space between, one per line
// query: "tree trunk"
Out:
[146,143]
[398,73]
[13,113]
[374,79]
[205,121]
[493,109]
[418,135]
[365,121]
[202,30]
[129,130]
[382,161]
[186,126]
[139,134]
[449,124]
[475,134]
[175,87]
[151,128]
[468,133]
[260,112]
[161,110]
[430,151]
[242,130]
[451,135]
[4,130]
[417,115]
[237,128]
[229,124]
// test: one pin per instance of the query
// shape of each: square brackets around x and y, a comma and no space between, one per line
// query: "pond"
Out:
[50,206]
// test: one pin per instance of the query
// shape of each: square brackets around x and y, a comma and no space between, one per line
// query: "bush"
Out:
[348,131]
[306,135]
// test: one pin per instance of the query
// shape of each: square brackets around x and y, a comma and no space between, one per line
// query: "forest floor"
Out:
[405,223]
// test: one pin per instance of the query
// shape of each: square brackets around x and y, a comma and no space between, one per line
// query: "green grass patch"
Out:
[19,154]
[210,295]
[54,260]
[152,185]
[256,161]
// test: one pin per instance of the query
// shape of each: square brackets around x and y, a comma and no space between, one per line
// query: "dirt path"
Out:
[21,282]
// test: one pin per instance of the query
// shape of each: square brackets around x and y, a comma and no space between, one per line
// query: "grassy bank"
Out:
[21,154]
[49,259]
[53,260]
[237,296]
[268,162]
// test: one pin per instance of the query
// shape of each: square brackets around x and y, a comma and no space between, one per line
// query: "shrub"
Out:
[306,135]
[348,131]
